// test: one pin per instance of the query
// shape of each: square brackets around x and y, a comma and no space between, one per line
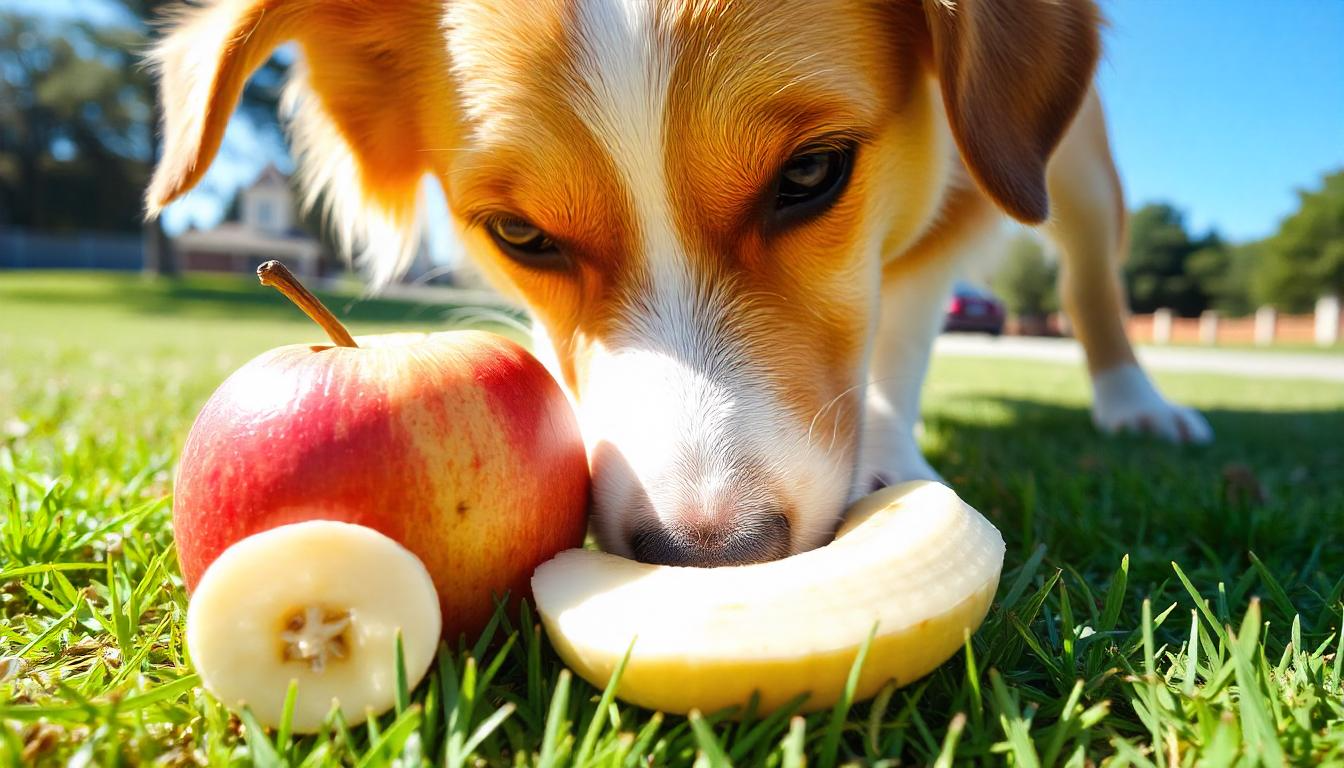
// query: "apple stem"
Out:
[278,276]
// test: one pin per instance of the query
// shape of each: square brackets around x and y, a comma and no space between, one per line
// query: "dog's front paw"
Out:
[890,455]
[1125,400]
[875,479]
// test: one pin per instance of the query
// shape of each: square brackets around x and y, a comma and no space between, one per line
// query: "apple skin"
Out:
[458,445]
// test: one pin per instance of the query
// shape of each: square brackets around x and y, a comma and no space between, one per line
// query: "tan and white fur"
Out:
[740,375]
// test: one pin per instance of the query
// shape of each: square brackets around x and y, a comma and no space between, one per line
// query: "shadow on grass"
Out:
[1268,485]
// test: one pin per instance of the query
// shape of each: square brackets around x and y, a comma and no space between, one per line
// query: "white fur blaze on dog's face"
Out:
[691,455]
[697,454]
[713,340]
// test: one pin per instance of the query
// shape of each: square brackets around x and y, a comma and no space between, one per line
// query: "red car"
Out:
[974,309]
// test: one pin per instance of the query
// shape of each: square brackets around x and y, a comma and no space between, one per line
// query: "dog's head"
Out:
[693,198]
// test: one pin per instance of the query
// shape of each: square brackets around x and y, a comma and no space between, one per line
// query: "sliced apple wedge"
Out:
[913,565]
[319,602]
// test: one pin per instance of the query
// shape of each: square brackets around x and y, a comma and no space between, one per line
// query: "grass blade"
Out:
[948,753]
[1192,656]
[1339,663]
[263,751]
[283,734]
[403,688]
[392,740]
[487,727]
[637,751]
[1024,577]
[608,694]
[1200,603]
[1115,597]
[793,744]
[56,626]
[555,719]
[1016,728]
[743,745]
[711,751]
[830,742]
[1257,722]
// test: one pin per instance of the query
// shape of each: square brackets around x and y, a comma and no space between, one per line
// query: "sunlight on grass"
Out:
[1161,604]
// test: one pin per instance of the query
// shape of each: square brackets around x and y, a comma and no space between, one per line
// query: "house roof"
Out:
[232,237]
[270,177]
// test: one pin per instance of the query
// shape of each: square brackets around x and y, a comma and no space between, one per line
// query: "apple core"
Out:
[314,635]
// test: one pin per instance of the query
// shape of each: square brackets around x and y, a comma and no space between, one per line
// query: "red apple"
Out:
[457,446]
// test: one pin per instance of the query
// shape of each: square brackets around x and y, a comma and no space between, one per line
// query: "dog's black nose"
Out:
[754,538]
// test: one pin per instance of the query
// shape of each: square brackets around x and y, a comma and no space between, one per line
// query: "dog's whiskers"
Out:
[831,403]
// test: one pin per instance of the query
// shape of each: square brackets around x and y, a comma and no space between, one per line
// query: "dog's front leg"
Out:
[915,287]
[1087,224]
[914,294]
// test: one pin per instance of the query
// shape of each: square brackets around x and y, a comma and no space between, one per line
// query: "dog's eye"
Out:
[811,180]
[524,242]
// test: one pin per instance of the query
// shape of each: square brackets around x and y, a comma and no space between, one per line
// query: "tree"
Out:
[1026,280]
[73,132]
[1305,258]
[78,122]
[1157,271]
[1223,272]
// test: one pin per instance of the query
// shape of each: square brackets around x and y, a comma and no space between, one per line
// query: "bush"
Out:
[1026,280]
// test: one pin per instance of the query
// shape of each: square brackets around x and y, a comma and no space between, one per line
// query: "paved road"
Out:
[1265,365]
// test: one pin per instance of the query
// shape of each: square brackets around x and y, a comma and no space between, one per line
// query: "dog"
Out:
[735,223]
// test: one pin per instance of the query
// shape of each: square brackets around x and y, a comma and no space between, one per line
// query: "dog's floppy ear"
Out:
[1013,74]
[370,87]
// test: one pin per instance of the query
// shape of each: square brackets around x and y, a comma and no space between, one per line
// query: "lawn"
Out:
[1160,605]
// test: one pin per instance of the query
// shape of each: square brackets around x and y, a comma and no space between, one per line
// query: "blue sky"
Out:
[1222,107]
[1225,107]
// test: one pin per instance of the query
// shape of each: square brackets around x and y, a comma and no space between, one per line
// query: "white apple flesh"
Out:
[914,568]
[320,603]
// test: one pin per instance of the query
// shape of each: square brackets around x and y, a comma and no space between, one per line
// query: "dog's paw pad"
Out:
[1126,401]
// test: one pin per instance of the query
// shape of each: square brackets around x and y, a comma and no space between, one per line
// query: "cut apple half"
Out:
[318,602]
[913,567]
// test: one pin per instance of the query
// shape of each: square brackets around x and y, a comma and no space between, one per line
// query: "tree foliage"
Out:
[78,118]
[1158,271]
[1223,273]
[1026,280]
[1305,258]
[74,126]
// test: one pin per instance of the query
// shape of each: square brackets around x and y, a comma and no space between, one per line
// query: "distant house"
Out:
[266,229]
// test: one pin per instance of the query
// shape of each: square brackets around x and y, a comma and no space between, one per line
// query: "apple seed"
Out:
[315,635]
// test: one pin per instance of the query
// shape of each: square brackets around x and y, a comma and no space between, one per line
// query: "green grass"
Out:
[1160,604]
